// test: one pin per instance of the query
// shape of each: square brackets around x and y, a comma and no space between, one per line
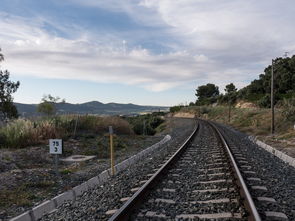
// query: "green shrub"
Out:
[175,108]
[17,133]
[289,109]
[146,124]
[205,110]
[21,133]
[264,102]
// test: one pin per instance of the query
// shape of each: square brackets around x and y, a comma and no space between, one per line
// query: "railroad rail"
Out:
[217,159]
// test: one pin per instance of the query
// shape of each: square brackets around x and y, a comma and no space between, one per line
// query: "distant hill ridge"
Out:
[92,107]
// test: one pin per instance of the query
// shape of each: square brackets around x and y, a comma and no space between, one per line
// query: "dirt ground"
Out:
[27,176]
[287,146]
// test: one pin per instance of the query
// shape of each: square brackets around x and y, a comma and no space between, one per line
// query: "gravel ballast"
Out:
[271,173]
[186,192]
[98,203]
[277,176]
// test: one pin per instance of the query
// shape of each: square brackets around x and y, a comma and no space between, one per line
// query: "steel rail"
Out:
[126,210]
[248,203]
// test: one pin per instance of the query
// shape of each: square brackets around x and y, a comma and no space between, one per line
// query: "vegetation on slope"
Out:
[284,83]
[21,133]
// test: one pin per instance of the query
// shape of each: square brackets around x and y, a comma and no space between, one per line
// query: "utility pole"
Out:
[229,110]
[144,128]
[272,99]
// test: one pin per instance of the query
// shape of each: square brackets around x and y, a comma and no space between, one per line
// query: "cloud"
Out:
[204,41]
[32,51]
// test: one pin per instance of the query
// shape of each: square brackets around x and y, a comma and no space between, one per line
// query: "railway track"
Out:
[200,181]
[197,184]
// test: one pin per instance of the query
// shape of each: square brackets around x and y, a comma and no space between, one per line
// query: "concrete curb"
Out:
[80,189]
[284,157]
[93,182]
[71,195]
[43,209]
[61,198]
[23,217]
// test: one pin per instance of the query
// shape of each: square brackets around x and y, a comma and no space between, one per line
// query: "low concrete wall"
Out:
[284,157]
[71,195]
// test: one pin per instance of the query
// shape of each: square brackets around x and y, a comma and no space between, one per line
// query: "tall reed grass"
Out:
[21,133]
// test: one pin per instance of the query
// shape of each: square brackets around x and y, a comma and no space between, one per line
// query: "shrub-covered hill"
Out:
[284,83]
[93,107]
[254,121]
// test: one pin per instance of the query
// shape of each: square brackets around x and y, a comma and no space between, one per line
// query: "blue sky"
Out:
[151,52]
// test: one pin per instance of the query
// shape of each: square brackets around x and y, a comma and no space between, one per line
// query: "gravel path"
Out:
[94,204]
[277,176]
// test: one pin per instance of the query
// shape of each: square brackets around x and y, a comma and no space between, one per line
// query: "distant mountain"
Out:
[93,107]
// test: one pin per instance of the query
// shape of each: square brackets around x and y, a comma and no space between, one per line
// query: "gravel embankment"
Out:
[277,176]
[94,204]
[185,191]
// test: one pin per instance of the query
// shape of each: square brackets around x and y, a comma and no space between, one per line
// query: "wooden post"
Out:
[229,112]
[272,99]
[112,150]
[76,123]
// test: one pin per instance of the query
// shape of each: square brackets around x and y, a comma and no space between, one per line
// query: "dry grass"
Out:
[255,121]
[21,133]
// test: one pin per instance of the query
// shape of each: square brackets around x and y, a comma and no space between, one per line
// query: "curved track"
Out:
[200,181]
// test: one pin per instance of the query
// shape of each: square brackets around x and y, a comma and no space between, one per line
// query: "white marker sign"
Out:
[55,146]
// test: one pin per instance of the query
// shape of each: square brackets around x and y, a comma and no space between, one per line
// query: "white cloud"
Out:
[217,42]
[36,53]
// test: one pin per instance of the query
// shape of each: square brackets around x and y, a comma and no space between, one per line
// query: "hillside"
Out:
[93,107]
[252,121]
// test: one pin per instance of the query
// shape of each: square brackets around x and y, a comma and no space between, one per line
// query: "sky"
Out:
[148,52]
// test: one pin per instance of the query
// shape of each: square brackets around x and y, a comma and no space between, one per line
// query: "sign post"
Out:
[111,132]
[55,147]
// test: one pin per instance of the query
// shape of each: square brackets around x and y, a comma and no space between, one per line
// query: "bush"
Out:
[289,109]
[120,125]
[100,125]
[146,124]
[143,127]
[264,102]
[17,133]
[175,108]
[21,133]
[205,110]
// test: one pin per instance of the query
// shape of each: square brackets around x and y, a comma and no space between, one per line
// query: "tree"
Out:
[230,88]
[7,87]
[284,83]
[230,96]
[48,105]
[207,94]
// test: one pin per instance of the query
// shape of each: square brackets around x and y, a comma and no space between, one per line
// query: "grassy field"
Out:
[27,174]
[21,133]
[253,121]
